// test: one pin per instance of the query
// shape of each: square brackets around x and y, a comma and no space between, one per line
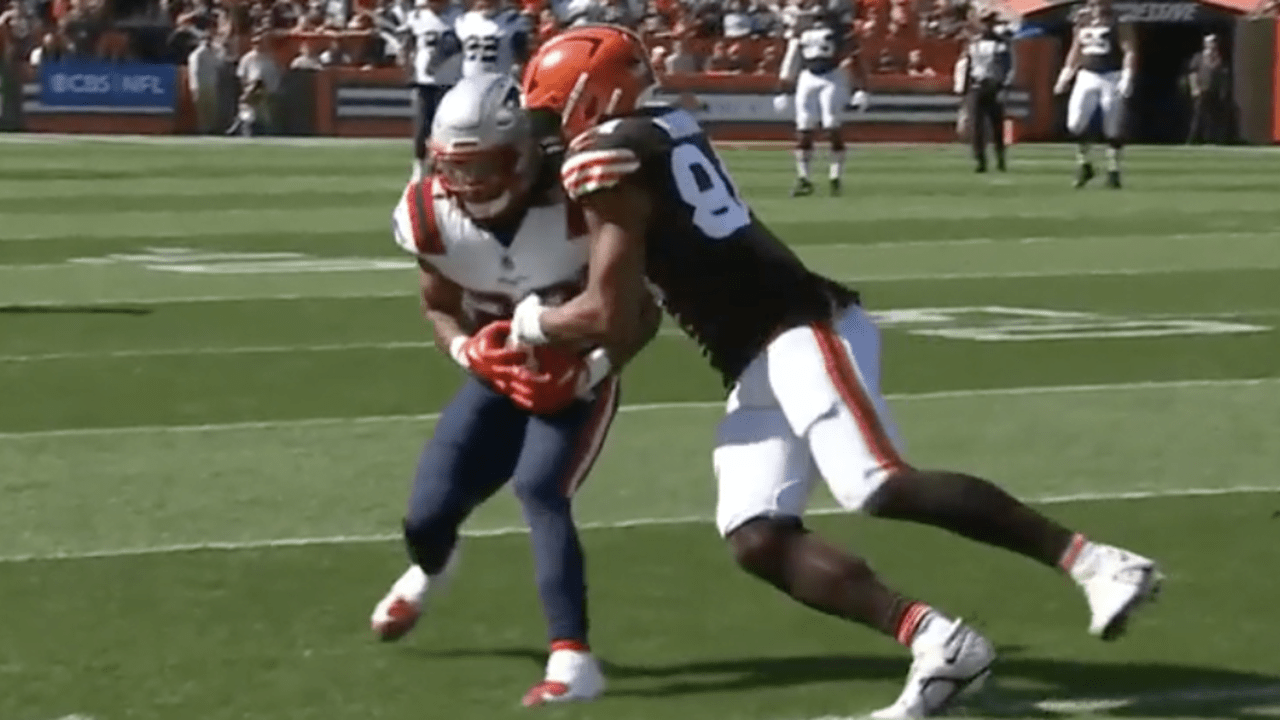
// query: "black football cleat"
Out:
[802,187]
[980,168]
[1000,164]
[1113,179]
[1084,173]
[835,187]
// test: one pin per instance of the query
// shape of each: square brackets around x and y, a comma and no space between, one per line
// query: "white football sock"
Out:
[803,157]
[837,164]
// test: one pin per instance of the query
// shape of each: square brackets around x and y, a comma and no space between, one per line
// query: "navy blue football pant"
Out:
[481,441]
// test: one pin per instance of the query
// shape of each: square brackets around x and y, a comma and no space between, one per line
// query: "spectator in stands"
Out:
[203,67]
[548,25]
[18,32]
[887,63]
[764,22]
[916,66]
[334,55]
[869,26]
[307,58]
[738,62]
[718,62]
[901,24]
[737,20]
[769,61]
[680,59]
[658,58]
[82,26]
[51,49]
[259,82]
[789,18]
[618,12]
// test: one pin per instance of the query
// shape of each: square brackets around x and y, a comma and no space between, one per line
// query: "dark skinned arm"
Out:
[441,306]
[615,310]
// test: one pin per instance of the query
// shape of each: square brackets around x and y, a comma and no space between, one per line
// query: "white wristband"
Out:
[526,322]
[457,351]
[598,367]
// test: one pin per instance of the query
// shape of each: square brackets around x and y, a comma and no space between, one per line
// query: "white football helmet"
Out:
[482,144]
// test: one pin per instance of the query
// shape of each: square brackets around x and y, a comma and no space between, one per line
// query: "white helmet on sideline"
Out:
[482,144]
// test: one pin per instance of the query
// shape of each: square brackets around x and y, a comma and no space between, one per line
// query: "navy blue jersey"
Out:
[721,274]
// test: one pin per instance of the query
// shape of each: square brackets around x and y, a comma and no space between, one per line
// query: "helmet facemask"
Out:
[487,181]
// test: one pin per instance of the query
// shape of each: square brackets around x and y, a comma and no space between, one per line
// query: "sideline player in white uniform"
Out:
[825,54]
[1103,58]
[436,57]
[494,39]
[802,359]
[490,227]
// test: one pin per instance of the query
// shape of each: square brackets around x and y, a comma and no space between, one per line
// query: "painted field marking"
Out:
[277,543]
[866,278]
[640,407]
[1081,325]
[1172,697]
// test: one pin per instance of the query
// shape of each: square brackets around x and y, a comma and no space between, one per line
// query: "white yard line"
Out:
[642,407]
[268,544]
[1168,698]
[868,278]
[666,331]
[879,245]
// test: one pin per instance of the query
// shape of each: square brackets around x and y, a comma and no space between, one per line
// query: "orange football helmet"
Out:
[586,74]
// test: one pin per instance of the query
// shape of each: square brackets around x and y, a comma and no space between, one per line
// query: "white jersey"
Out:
[491,44]
[549,250]
[437,52]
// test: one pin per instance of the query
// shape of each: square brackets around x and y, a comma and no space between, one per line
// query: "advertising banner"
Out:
[86,86]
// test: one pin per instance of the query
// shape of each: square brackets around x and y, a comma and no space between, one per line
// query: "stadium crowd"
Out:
[688,36]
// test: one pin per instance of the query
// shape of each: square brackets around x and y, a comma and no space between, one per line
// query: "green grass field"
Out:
[214,384]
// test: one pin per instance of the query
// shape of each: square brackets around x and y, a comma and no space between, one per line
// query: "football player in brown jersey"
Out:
[1102,59]
[801,359]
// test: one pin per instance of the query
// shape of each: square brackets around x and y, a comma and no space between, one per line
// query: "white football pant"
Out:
[808,405]
[1090,92]
[821,99]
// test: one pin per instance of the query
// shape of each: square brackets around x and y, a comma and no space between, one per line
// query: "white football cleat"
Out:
[951,658]
[572,675]
[1116,582]
[396,613]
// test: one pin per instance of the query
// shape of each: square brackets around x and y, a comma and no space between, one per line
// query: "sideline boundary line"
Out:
[615,525]
[640,407]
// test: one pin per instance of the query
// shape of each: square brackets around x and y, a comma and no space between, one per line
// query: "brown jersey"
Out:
[720,273]
[1099,40]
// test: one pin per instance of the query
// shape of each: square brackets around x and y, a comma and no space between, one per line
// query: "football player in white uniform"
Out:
[490,227]
[825,55]
[1102,59]
[494,39]
[436,58]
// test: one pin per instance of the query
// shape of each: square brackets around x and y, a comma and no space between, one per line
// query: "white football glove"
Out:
[861,100]
[1126,84]
[1064,81]
[781,101]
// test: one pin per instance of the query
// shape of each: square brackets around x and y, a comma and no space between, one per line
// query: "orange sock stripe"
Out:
[591,441]
[910,622]
[844,376]
[1073,552]
[574,645]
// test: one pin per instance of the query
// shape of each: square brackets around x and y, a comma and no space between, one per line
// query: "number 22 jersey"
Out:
[721,274]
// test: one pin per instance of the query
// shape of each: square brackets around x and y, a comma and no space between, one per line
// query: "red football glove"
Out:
[489,357]
[552,385]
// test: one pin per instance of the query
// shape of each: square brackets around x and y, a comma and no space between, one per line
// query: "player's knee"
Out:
[804,140]
[540,497]
[760,545]
[837,139]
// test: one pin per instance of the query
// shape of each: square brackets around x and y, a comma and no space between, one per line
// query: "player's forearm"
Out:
[446,327]
[589,318]
[649,320]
